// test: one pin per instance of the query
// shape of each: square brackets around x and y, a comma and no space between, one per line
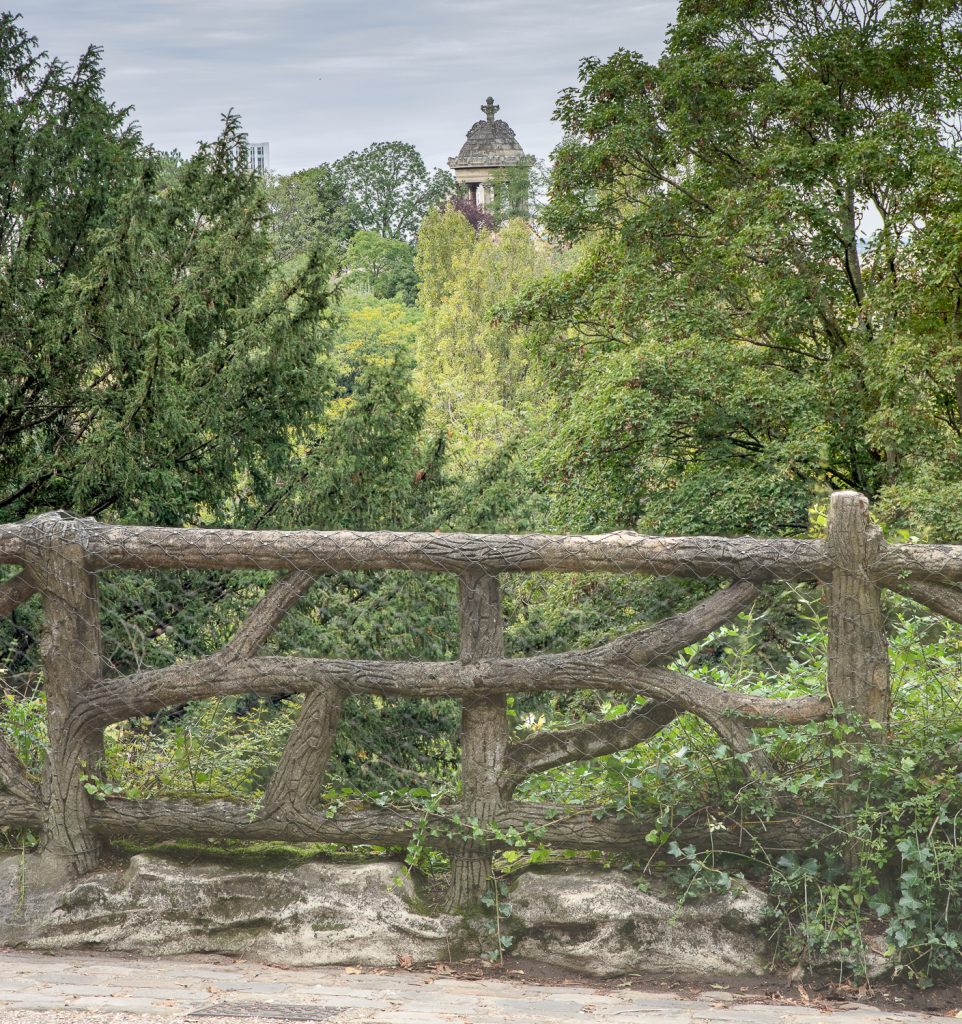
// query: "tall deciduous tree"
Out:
[474,366]
[519,191]
[309,207]
[389,189]
[748,209]
[147,354]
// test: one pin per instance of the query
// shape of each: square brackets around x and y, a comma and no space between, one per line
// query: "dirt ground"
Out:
[823,992]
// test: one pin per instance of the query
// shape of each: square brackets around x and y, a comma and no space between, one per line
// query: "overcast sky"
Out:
[318,78]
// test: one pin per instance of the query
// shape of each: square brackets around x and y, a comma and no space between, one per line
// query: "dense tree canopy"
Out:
[762,218]
[388,189]
[477,362]
[147,352]
[384,189]
[385,266]
[309,207]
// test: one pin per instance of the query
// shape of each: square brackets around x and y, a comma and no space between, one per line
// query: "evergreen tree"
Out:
[147,351]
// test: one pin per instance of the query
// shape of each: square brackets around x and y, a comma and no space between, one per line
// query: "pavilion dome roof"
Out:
[490,143]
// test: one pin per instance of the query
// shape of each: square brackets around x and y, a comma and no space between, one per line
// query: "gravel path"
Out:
[100,988]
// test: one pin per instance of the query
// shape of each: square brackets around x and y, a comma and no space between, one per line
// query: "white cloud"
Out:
[317,78]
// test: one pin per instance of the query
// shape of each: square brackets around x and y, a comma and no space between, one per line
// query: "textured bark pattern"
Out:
[14,541]
[628,665]
[564,673]
[943,599]
[15,591]
[148,820]
[484,736]
[59,554]
[13,775]
[156,547]
[72,662]
[858,661]
[547,750]
[17,812]
[298,780]
[933,563]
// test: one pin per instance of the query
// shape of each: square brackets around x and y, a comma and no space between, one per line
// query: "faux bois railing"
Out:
[60,558]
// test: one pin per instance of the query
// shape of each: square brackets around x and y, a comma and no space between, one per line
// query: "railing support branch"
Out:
[72,655]
[858,660]
[484,737]
[298,781]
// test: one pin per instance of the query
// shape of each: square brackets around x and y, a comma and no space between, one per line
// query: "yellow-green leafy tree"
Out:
[473,367]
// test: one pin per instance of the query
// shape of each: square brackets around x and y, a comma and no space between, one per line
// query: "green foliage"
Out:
[444,239]
[214,748]
[902,898]
[754,300]
[513,192]
[496,900]
[389,190]
[309,208]
[345,207]
[382,266]
[23,722]
[474,366]
[358,465]
[519,191]
[265,854]
[147,354]
[766,228]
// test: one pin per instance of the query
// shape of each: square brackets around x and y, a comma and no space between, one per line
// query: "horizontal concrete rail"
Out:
[156,547]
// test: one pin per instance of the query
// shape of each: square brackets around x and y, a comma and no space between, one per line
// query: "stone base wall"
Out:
[321,913]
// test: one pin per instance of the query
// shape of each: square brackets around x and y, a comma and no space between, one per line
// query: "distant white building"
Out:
[258,156]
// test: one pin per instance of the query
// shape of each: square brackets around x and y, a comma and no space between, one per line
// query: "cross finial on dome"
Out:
[490,108]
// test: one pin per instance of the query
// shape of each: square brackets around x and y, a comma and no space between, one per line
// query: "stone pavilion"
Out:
[490,147]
